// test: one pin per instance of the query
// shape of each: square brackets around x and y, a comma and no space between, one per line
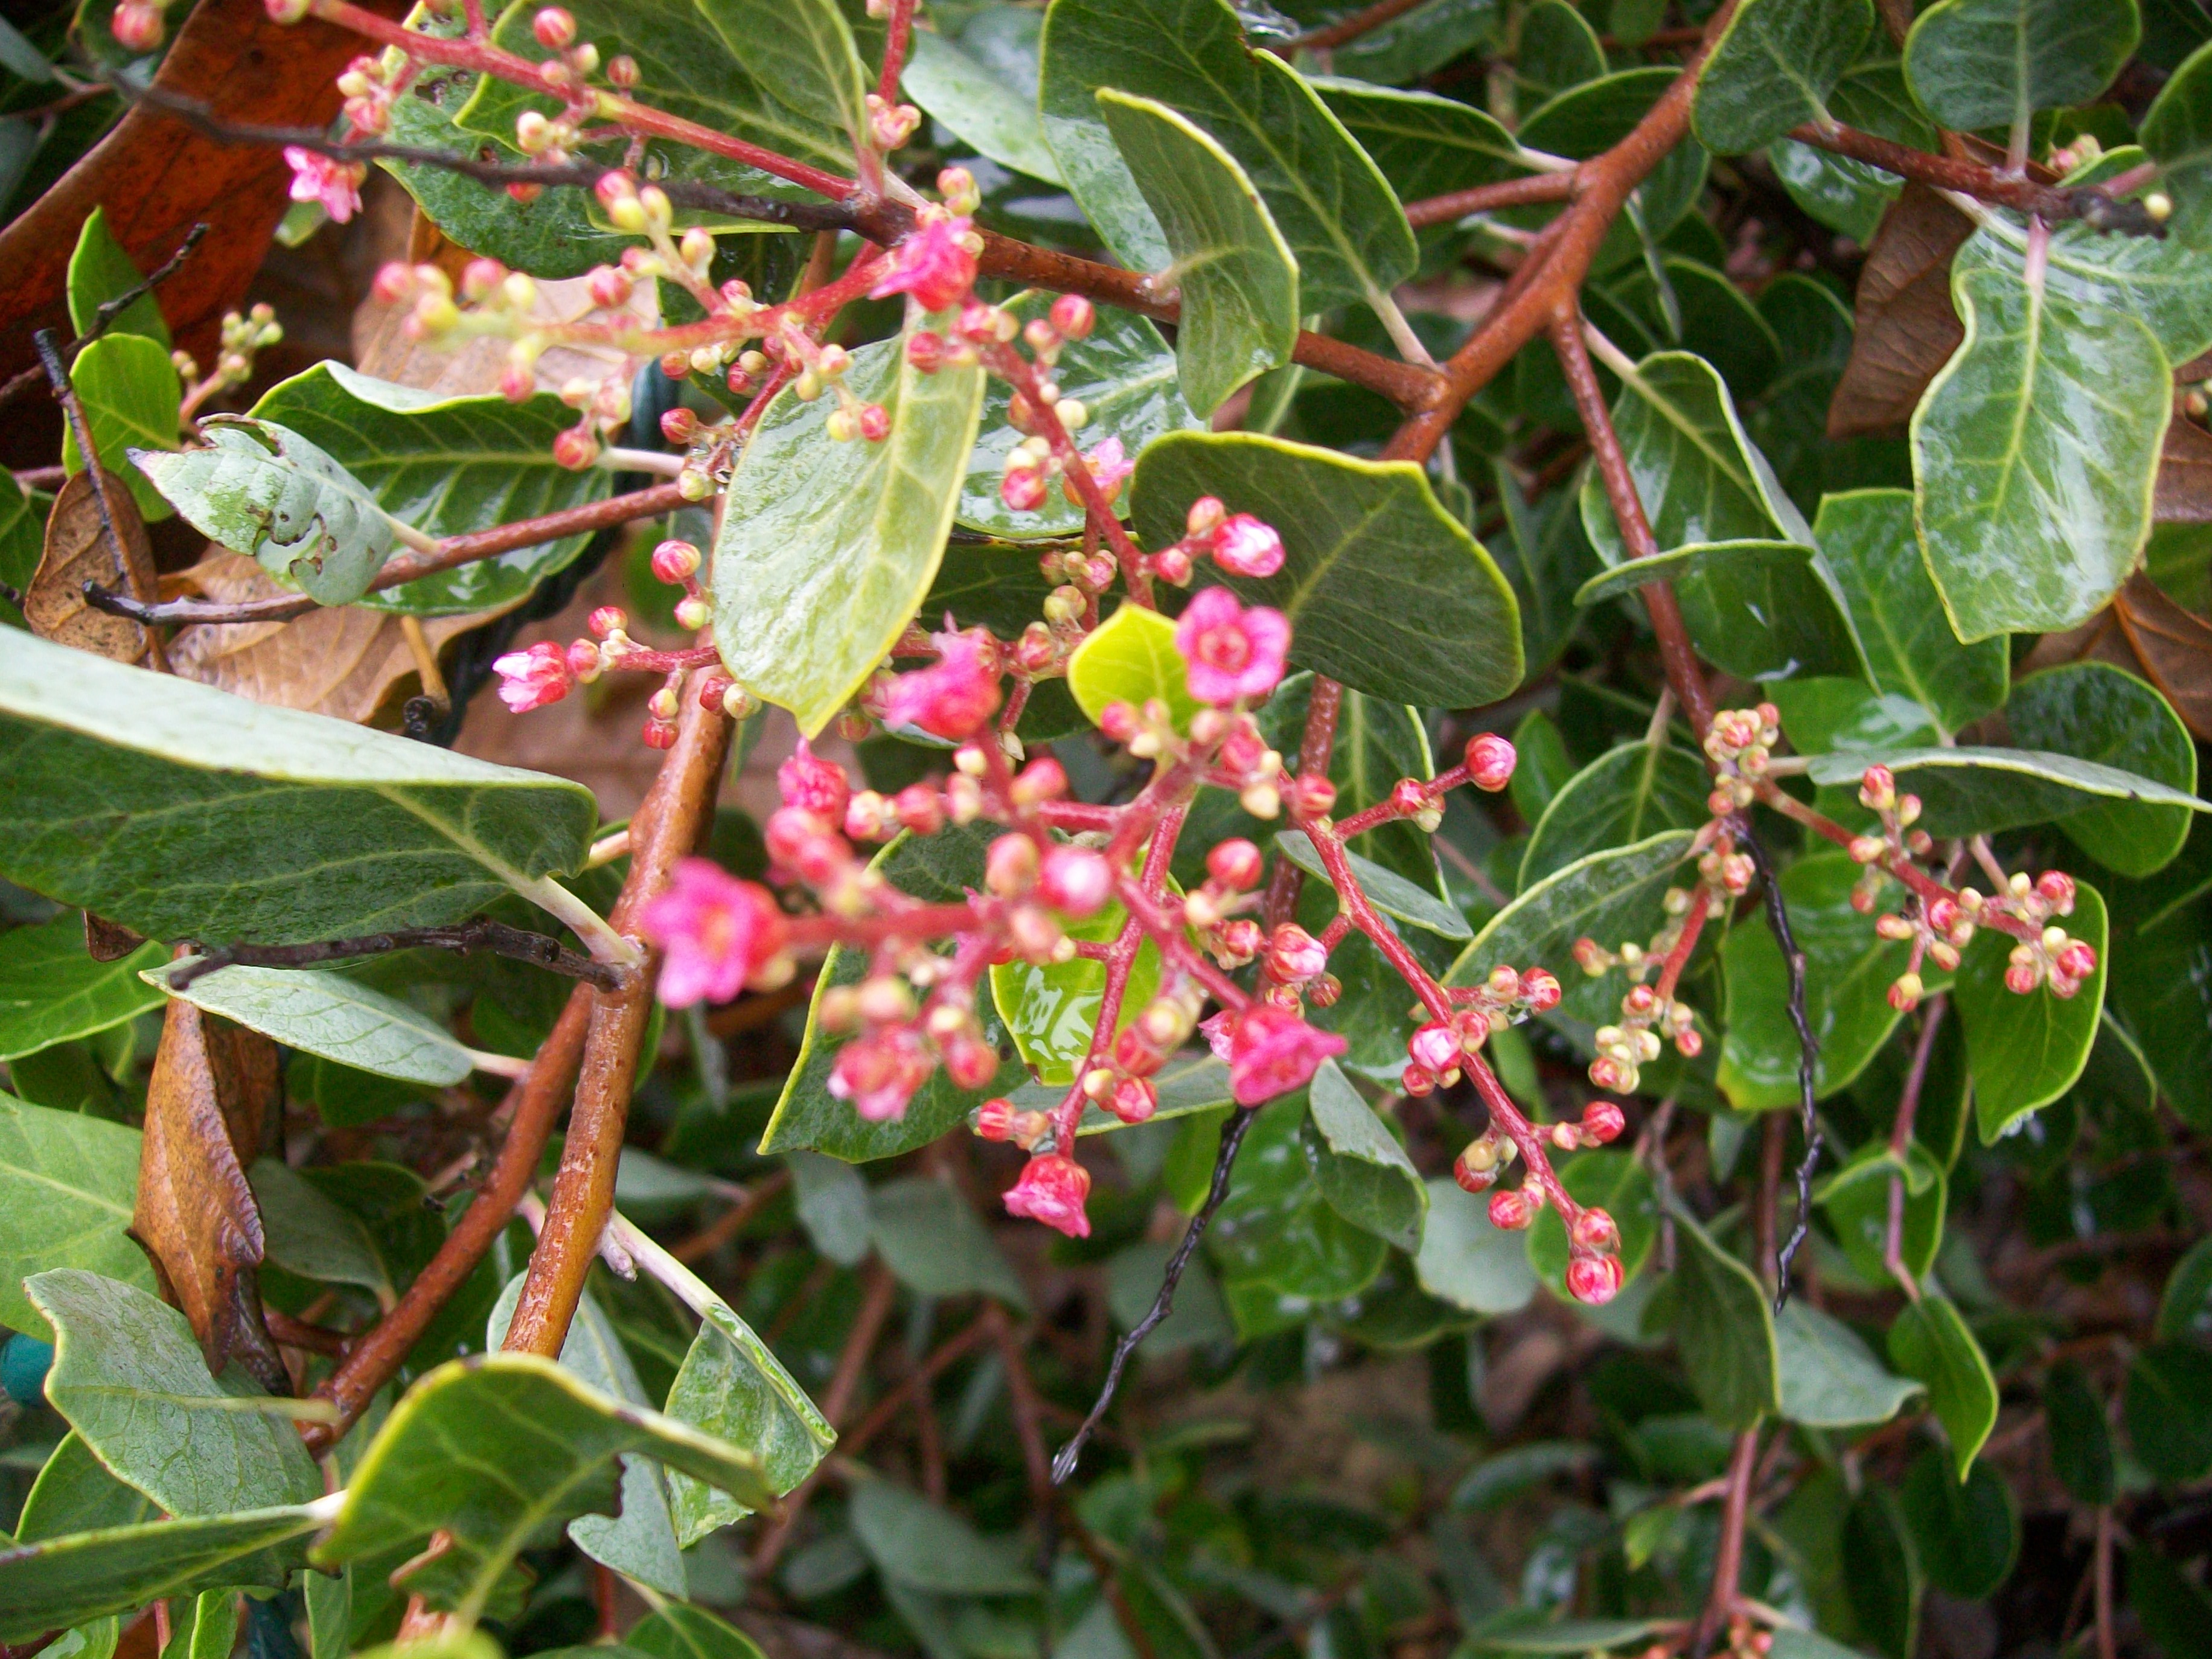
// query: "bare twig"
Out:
[106,313]
[1350,28]
[1809,1054]
[479,933]
[2092,204]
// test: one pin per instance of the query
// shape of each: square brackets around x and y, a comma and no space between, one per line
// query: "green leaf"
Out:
[1702,481]
[932,1240]
[2034,451]
[1930,1341]
[1867,538]
[1615,1182]
[1465,1261]
[1971,791]
[2184,1309]
[52,990]
[74,1493]
[1881,1577]
[2025,1051]
[2177,131]
[1586,121]
[1277,1231]
[982,87]
[2080,1437]
[89,1575]
[680,1631]
[446,465]
[22,540]
[130,394]
[1822,715]
[1722,1325]
[1051,1009]
[1975,64]
[2098,713]
[826,548]
[129,1376]
[1384,589]
[1525,1631]
[925,1547]
[1236,276]
[1615,895]
[1848,971]
[99,271]
[184,812]
[1967,1532]
[1198,1319]
[2164,1403]
[1731,566]
[1388,892]
[330,1015]
[1856,1199]
[1426,145]
[263,491]
[1191,1083]
[1123,374]
[1626,795]
[500,1452]
[1843,194]
[1416,43]
[1773,67]
[1829,1378]
[1363,1172]
[1378,744]
[1559,49]
[1704,310]
[1339,223]
[1130,658]
[68,1184]
[313,1236]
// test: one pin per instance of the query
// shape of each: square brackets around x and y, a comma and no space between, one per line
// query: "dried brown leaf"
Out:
[2174,647]
[77,551]
[108,941]
[1906,329]
[2184,475]
[208,1104]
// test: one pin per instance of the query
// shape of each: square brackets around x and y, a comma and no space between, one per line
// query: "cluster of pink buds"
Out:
[2052,957]
[888,124]
[544,673]
[1740,743]
[1594,1272]
[370,85]
[1213,911]
[1899,839]
[1123,1083]
[1437,1052]
[1237,543]
[934,264]
[1648,1013]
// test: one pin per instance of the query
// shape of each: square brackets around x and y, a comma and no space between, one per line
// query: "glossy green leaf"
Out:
[827,548]
[1967,1531]
[1931,1342]
[331,1015]
[1883,1581]
[1545,555]
[1364,1171]
[129,1376]
[2025,1051]
[1830,1379]
[981,86]
[445,465]
[1559,49]
[2079,1438]
[1867,538]
[1276,1231]
[1773,67]
[2034,451]
[1702,307]
[22,540]
[1124,375]
[1976,64]
[1702,481]
[500,1452]
[76,1492]
[1856,1199]
[1843,194]
[88,1575]
[1848,971]
[1192,1082]
[1237,278]
[1971,791]
[130,394]
[1415,44]
[68,1183]
[1388,892]
[929,1235]
[1722,1326]
[1051,1010]
[1384,589]
[1341,225]
[198,814]
[926,1546]
[99,271]
[2177,131]
[2164,1404]
[1465,1261]
[682,1630]
[262,489]
[312,1235]
[1732,566]
[1426,145]
[1614,894]
[1611,1179]
[51,990]
[1132,658]
[1627,795]
[2098,712]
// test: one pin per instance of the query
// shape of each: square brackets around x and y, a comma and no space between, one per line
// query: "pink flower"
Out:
[336,185]
[718,932]
[878,1073]
[1110,465]
[1271,1052]
[952,698]
[814,785]
[934,264]
[1246,546]
[1232,653]
[1052,1190]
[531,679]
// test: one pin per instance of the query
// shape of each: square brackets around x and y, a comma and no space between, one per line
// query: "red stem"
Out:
[896,38]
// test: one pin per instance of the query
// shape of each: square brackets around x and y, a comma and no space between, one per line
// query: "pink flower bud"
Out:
[1540,989]
[1310,795]
[679,425]
[584,660]
[806,780]
[607,621]
[2078,960]
[875,423]
[994,1120]
[555,27]
[1235,864]
[1052,1190]
[1075,879]
[1172,566]
[1593,1280]
[2056,888]
[1417,1080]
[925,351]
[1603,1121]
[675,563]
[576,448]
[1073,316]
[138,29]
[1009,868]
[1434,1046]
[1294,956]
[1476,1169]
[970,1061]
[1490,760]
[394,284]
[1205,516]
[1595,1230]
[1246,546]
[1409,796]
[614,186]
[919,808]
[2023,977]
[1511,1211]
[1022,489]
[1133,1099]
[531,679]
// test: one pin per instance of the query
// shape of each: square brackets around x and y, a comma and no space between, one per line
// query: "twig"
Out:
[1809,1054]
[1232,1138]
[104,313]
[1900,1142]
[1727,1559]
[732,1222]
[2092,204]
[479,933]
[1316,745]
[2107,1644]
[1349,28]
[1489,198]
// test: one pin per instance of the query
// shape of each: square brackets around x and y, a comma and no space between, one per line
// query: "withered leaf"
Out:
[207,1104]
[77,551]
[2174,647]
[1906,329]
[108,941]
[2184,475]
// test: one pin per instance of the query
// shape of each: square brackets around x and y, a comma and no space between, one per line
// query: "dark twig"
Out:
[1232,1137]
[1809,1054]
[480,933]
[1351,28]
[107,313]
[2094,205]
[56,374]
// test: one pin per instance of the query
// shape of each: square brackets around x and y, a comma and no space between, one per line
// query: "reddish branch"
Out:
[2095,205]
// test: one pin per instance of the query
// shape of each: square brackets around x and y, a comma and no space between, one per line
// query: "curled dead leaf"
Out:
[2173,645]
[1905,327]
[77,551]
[2184,475]
[108,941]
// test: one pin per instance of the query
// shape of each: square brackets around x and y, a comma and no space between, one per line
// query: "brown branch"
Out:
[1317,743]
[1348,28]
[107,311]
[1537,187]
[2091,204]
[732,1222]
[479,933]
[880,1415]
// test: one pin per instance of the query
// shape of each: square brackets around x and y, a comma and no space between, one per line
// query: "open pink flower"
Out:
[952,698]
[1052,1190]
[934,264]
[878,1073]
[336,185]
[1231,653]
[531,679]
[1246,546]
[1110,465]
[717,933]
[1272,1051]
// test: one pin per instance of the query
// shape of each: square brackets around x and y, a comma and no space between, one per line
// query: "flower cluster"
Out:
[1437,1051]
[1594,1271]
